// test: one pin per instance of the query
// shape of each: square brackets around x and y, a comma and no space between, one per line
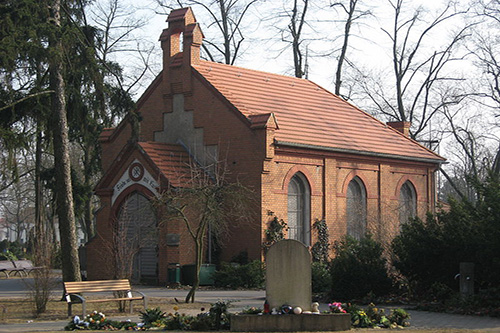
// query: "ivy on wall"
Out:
[321,249]
[275,231]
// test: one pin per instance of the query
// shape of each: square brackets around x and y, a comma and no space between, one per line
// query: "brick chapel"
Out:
[306,153]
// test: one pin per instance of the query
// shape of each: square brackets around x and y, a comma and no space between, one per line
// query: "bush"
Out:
[321,278]
[468,232]
[372,316]
[217,318]
[358,269]
[151,316]
[11,250]
[233,275]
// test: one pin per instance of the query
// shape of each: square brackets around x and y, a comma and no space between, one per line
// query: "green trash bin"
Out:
[206,274]
[174,273]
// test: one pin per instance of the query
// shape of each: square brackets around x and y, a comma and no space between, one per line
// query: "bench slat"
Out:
[96,286]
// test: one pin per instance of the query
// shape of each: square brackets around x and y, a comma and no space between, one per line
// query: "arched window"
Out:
[356,208]
[407,202]
[136,238]
[299,199]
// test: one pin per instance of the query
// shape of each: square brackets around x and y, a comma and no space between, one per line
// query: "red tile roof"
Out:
[308,115]
[172,161]
[178,14]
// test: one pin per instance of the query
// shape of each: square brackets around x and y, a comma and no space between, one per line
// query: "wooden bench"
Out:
[7,267]
[26,266]
[74,293]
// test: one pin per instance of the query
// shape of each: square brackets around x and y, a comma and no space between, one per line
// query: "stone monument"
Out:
[288,275]
[288,285]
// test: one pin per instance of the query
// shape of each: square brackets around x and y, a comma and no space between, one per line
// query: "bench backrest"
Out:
[96,286]
[6,264]
[26,264]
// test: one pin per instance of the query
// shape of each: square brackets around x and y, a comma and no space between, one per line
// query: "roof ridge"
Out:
[293,78]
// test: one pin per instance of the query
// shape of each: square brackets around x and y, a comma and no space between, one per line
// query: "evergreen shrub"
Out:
[234,275]
[358,269]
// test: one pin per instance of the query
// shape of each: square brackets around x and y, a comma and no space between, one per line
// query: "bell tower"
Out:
[181,43]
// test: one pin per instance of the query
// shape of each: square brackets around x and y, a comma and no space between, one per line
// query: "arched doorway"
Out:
[138,237]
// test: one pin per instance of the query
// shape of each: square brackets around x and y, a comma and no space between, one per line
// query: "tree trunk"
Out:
[199,259]
[88,218]
[65,211]
[39,238]
[347,29]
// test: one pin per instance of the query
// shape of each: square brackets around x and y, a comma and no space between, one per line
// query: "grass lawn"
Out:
[17,310]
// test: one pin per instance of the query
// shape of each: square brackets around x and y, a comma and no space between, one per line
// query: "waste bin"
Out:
[174,273]
[206,274]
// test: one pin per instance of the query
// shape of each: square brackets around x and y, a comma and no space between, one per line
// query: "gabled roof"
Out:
[172,161]
[308,115]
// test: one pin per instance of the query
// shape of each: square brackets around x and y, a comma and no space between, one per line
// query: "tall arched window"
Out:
[299,219]
[356,208]
[407,202]
[136,238]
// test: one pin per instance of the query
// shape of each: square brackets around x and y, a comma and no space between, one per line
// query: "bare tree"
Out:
[486,49]
[18,210]
[353,13]
[297,19]
[205,205]
[289,20]
[420,72]
[225,21]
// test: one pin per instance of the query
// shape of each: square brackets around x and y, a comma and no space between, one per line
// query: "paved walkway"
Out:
[242,299]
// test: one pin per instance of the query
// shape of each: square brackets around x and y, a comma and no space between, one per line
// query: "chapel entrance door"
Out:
[138,226]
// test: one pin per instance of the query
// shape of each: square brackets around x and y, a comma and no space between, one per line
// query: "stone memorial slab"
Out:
[288,275]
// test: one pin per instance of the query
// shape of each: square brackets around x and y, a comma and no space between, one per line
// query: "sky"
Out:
[369,46]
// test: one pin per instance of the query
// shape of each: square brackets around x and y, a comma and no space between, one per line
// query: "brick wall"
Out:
[328,177]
